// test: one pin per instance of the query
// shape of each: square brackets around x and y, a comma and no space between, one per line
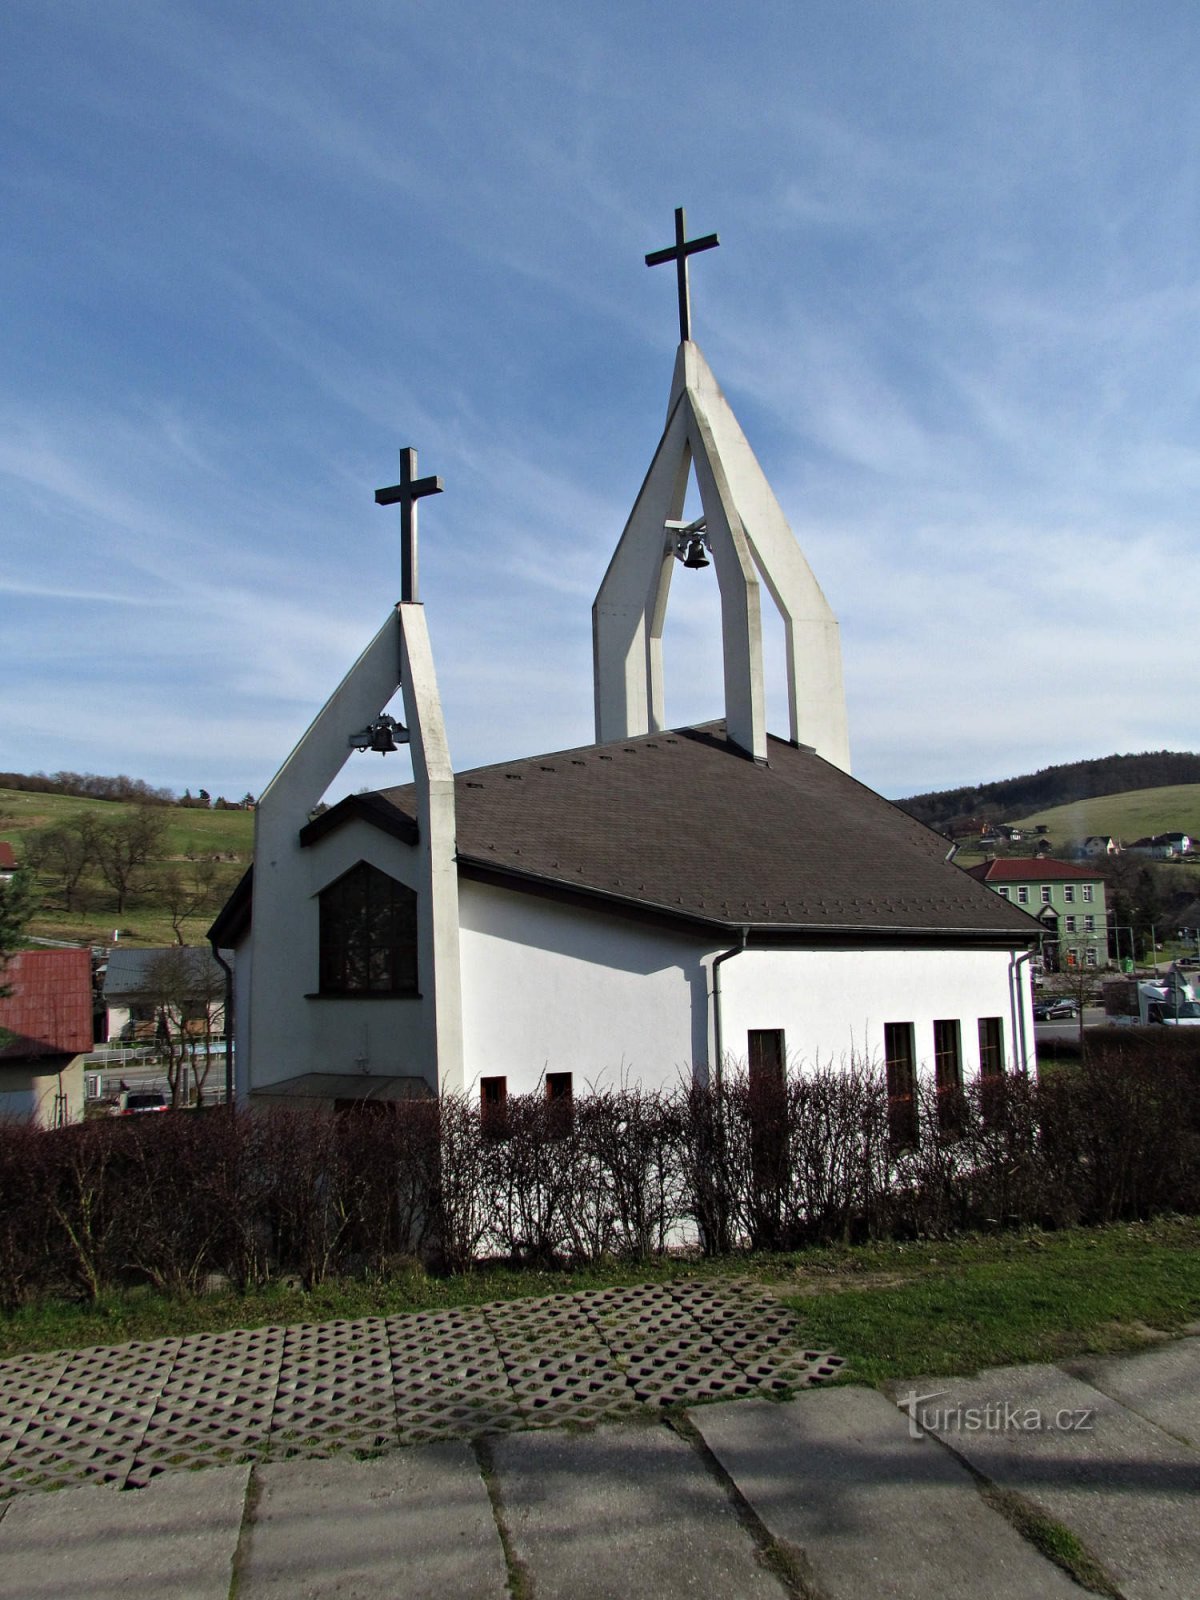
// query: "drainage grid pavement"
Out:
[125,1414]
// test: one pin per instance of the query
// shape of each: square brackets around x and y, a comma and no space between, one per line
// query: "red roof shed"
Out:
[49,1011]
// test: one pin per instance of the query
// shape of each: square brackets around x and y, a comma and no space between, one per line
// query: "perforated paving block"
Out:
[28,1381]
[91,1425]
[215,1406]
[125,1414]
[335,1389]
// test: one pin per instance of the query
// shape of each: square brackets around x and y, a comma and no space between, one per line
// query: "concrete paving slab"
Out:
[1129,1491]
[1161,1384]
[626,1510]
[174,1540]
[873,1512]
[417,1523]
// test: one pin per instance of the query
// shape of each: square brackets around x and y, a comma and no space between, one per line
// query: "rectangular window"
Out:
[1045,894]
[559,1102]
[1003,893]
[1089,924]
[1023,895]
[899,1050]
[991,1047]
[1069,893]
[1093,956]
[1087,891]
[493,1106]
[766,1057]
[948,1073]
[1071,924]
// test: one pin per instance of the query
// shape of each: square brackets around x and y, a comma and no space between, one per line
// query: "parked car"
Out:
[1061,1010]
[132,1102]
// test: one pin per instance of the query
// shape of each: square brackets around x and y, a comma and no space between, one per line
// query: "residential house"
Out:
[1100,844]
[45,1032]
[1068,900]
[179,982]
[1155,847]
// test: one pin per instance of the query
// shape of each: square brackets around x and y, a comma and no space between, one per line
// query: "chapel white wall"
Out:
[551,988]
[833,1003]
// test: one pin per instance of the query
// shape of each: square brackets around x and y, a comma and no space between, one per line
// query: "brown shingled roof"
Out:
[683,824]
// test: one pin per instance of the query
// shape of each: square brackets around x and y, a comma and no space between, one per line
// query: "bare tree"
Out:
[186,989]
[186,893]
[64,855]
[124,846]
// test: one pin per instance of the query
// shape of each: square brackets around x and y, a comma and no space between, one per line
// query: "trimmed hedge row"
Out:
[627,1174]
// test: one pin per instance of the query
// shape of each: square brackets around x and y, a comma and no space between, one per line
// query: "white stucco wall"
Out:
[833,1003]
[547,987]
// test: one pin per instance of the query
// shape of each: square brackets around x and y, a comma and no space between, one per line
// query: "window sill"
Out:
[362,994]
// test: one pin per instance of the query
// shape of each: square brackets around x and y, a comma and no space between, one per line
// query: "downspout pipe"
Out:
[228,971]
[718,1040]
[1017,1003]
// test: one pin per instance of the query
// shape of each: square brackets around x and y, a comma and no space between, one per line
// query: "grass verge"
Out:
[892,1310]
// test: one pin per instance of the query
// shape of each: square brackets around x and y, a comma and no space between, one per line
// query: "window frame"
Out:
[900,1065]
[368,937]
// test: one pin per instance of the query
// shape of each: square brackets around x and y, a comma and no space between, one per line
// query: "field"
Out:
[1128,816]
[223,837]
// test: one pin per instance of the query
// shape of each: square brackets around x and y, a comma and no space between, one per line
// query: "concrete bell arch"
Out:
[750,540]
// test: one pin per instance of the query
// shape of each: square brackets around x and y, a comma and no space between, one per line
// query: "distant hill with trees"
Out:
[1035,792]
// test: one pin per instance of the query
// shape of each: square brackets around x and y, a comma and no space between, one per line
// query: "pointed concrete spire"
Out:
[749,538]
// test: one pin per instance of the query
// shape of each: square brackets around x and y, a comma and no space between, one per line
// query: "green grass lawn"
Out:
[227,835]
[893,1310]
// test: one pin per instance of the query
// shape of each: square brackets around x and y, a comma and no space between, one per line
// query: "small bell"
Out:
[381,738]
[696,557]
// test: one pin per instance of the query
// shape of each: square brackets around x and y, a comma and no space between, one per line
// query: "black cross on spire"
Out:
[678,253]
[408,491]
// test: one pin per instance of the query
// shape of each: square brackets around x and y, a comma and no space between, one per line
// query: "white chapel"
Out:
[665,903]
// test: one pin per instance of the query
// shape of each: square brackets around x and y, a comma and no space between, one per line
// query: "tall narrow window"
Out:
[368,935]
[948,1073]
[1045,894]
[1087,891]
[493,1107]
[559,1103]
[899,1050]
[768,1107]
[766,1057]
[1069,892]
[991,1047]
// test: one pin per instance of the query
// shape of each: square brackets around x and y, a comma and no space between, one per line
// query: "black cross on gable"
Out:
[408,491]
[678,253]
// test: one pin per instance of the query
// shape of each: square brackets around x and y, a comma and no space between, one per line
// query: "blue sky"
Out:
[248,252]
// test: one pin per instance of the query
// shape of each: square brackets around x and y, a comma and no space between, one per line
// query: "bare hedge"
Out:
[620,1174]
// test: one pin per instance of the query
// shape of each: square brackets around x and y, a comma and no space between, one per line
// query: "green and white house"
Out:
[1068,900]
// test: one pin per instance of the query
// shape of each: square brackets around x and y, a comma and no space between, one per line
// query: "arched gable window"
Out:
[368,934]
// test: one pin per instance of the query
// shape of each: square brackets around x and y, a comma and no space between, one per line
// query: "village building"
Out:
[45,1033]
[1067,900]
[660,905]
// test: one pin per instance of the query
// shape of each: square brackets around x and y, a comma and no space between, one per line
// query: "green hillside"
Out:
[222,839]
[1128,816]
